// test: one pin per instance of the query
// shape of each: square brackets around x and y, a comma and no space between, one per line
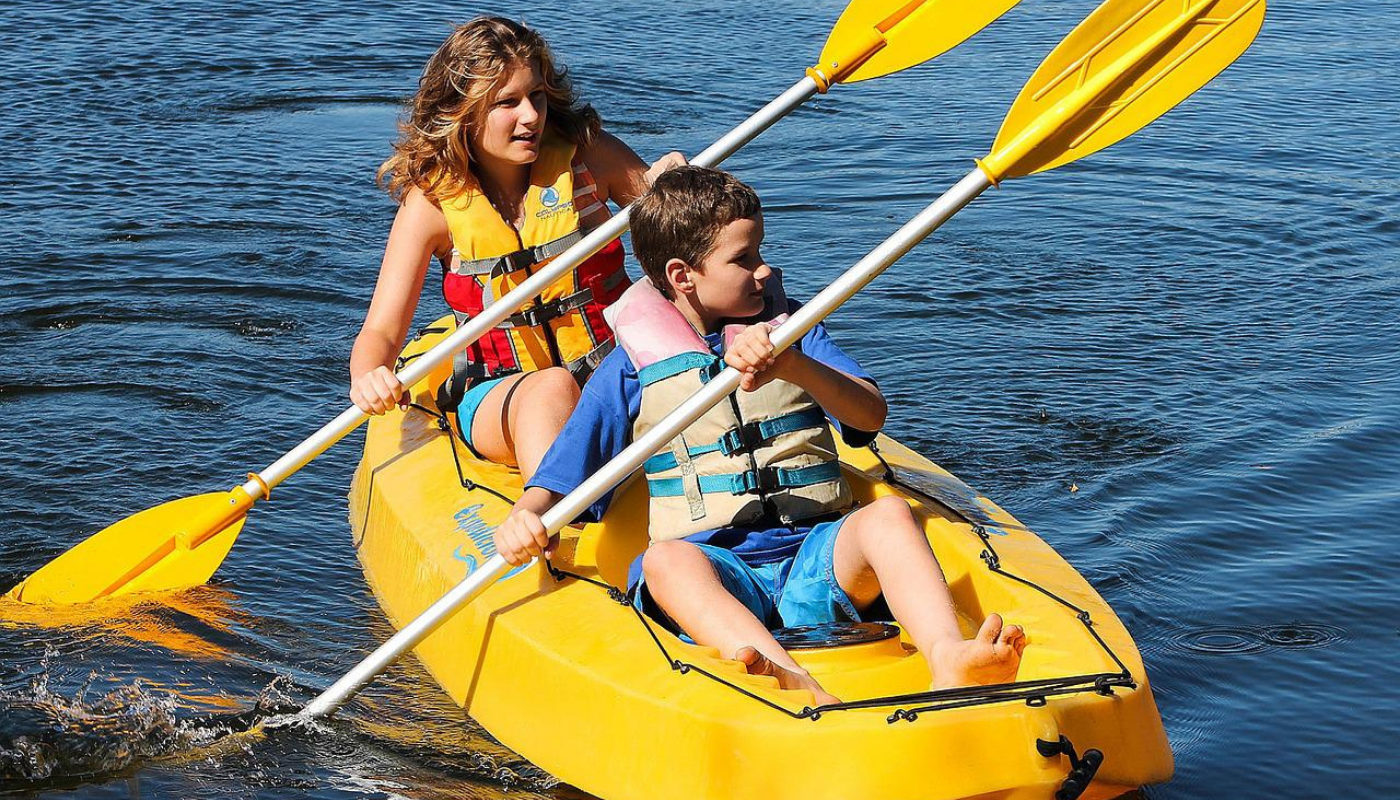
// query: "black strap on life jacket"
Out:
[523,258]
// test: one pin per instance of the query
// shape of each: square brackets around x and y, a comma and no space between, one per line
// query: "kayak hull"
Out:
[573,680]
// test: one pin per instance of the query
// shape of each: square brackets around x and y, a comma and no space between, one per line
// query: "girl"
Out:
[499,169]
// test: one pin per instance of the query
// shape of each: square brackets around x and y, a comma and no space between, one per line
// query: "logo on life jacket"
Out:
[552,204]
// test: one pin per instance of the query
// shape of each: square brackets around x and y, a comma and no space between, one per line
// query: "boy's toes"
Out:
[1010,634]
[993,657]
[824,698]
[990,630]
[755,663]
[1014,636]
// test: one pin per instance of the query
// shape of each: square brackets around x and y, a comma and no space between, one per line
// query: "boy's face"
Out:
[729,281]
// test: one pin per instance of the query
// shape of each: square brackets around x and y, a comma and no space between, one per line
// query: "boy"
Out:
[749,522]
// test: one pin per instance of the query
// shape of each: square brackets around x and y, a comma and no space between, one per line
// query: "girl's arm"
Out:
[621,174]
[419,232]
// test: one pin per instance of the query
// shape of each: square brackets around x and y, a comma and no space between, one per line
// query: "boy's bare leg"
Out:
[521,417]
[684,583]
[880,549]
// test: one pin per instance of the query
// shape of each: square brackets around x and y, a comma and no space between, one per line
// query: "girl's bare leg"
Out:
[521,417]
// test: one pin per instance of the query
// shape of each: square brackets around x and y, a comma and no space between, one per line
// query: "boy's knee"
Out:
[892,509]
[887,518]
[663,559]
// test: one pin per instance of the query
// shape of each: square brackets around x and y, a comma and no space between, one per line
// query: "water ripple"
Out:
[1246,640]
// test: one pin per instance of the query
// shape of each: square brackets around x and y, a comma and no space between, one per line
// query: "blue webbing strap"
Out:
[739,440]
[733,440]
[667,461]
[675,365]
[767,479]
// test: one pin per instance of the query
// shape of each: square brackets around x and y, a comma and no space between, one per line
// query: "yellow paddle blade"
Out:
[174,545]
[877,37]
[1128,63]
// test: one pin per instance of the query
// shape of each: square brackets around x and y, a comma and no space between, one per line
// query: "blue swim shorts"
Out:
[466,409]
[798,590]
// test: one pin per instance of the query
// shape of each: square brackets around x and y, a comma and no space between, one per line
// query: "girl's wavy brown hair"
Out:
[432,153]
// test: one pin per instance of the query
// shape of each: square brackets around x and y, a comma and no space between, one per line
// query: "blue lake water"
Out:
[1178,361]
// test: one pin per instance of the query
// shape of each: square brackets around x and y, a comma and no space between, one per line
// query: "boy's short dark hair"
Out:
[681,217]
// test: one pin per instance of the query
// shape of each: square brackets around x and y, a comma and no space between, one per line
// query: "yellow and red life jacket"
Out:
[562,326]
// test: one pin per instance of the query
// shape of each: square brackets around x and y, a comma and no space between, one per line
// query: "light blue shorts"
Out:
[466,409]
[798,590]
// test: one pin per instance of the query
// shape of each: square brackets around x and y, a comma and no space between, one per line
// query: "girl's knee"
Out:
[555,386]
[543,400]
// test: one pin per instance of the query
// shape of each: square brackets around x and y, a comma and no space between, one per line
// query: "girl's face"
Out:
[515,115]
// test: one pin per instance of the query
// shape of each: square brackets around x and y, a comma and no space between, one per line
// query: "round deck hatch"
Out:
[834,634]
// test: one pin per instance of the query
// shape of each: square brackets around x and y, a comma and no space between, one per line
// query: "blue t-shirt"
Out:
[601,427]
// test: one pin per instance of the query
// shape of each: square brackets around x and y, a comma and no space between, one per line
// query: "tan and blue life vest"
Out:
[765,454]
[562,326]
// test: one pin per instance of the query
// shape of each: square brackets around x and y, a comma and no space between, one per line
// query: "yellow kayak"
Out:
[554,663]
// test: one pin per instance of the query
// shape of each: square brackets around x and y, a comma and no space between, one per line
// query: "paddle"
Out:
[1125,65]
[181,543]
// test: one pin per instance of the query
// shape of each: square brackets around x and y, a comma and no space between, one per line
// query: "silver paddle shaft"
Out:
[512,301]
[647,445]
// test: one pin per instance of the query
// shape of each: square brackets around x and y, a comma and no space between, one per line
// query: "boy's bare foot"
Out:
[993,656]
[756,663]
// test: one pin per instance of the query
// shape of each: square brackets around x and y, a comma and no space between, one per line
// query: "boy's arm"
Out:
[522,535]
[852,401]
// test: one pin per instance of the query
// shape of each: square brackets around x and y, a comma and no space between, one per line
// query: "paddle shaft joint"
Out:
[836,67]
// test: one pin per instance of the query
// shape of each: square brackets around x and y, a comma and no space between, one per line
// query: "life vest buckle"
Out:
[712,370]
[536,315]
[764,480]
[520,259]
[743,439]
